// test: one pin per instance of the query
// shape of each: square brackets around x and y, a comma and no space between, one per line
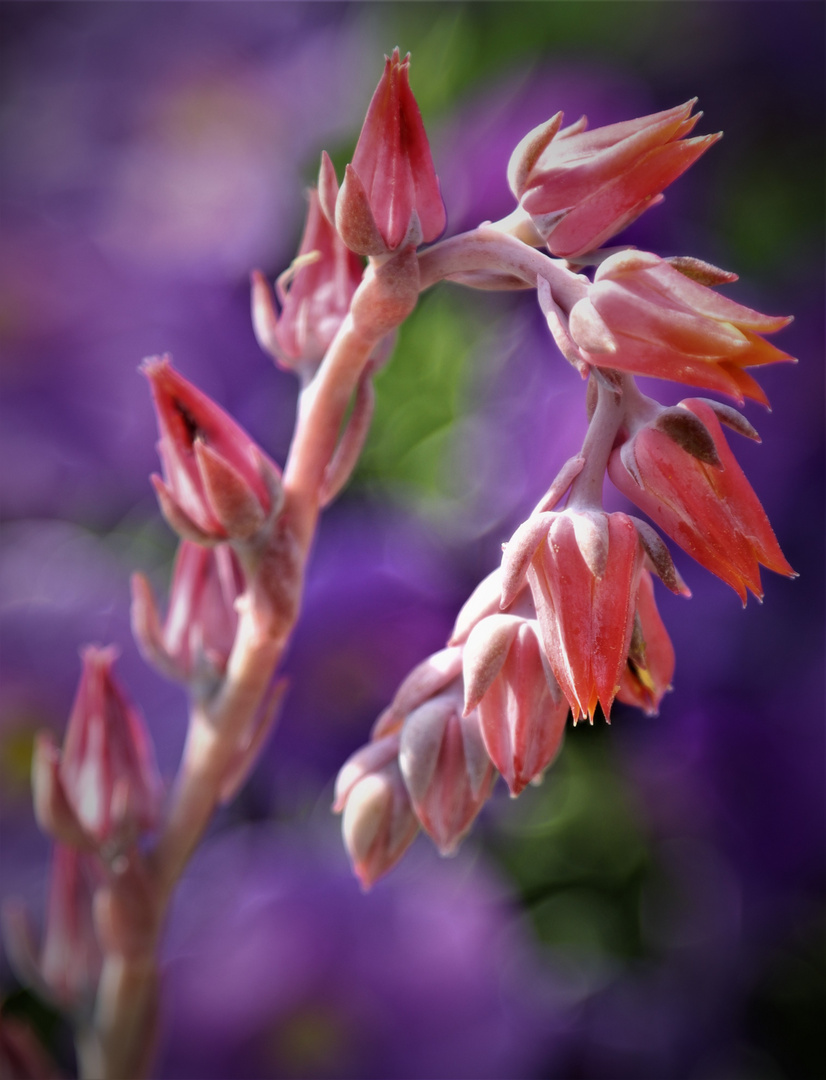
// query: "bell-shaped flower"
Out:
[583,568]
[445,766]
[107,769]
[582,187]
[709,509]
[390,194]
[314,294]
[70,959]
[650,665]
[643,315]
[217,483]
[194,643]
[378,823]
[522,710]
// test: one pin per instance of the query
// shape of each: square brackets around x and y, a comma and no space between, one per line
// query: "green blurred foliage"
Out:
[574,848]
[576,851]
[423,392]
[455,46]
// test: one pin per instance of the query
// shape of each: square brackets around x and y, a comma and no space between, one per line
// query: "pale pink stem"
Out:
[486,248]
[122,1042]
[119,1043]
[217,727]
[586,489]
[321,409]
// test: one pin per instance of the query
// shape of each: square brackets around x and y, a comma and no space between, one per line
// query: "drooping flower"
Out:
[583,568]
[107,769]
[645,316]
[709,509]
[522,710]
[442,755]
[390,192]
[445,766]
[378,821]
[314,293]
[582,187]
[194,642]
[217,484]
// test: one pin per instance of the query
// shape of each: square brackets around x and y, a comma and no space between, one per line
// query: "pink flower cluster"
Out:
[566,625]
[569,622]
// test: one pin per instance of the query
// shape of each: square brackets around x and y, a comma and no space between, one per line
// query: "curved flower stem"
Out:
[223,727]
[488,249]
[608,417]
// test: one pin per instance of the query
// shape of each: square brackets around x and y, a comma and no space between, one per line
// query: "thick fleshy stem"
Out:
[499,255]
[225,724]
[606,421]
[385,297]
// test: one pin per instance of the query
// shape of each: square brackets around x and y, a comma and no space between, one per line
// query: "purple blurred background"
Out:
[656,908]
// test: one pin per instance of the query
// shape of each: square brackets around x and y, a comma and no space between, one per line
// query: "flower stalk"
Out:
[567,624]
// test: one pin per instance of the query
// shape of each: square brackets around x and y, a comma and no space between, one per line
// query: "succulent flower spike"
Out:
[379,823]
[582,187]
[650,666]
[583,568]
[194,643]
[390,193]
[645,316]
[107,770]
[217,483]
[710,510]
[314,293]
[522,710]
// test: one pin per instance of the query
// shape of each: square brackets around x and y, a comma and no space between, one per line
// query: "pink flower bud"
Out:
[217,483]
[522,710]
[378,823]
[195,641]
[584,579]
[483,601]
[70,960]
[710,510]
[650,666]
[390,193]
[582,187]
[108,771]
[644,316]
[445,767]
[314,293]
